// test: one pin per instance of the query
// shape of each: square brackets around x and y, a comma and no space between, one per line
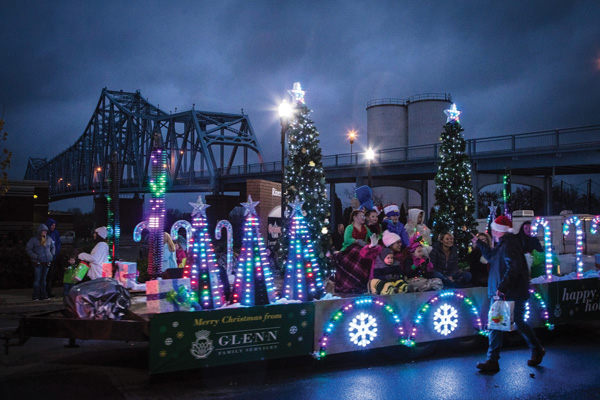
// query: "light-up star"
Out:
[296,206]
[452,114]
[250,206]
[492,208]
[297,93]
[199,207]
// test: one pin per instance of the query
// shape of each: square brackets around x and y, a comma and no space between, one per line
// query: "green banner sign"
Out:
[577,299]
[189,340]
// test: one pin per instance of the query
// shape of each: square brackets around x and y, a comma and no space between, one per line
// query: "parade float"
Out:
[190,323]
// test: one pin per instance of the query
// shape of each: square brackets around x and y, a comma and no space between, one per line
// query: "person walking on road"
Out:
[509,280]
[40,250]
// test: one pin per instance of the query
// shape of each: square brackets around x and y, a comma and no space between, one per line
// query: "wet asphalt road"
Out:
[44,368]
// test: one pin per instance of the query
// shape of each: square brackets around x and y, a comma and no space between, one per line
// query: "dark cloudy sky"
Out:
[511,67]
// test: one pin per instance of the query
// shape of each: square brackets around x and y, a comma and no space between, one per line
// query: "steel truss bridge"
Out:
[201,146]
[218,152]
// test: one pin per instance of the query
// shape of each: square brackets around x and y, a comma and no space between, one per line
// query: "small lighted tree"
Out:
[302,273]
[201,264]
[254,282]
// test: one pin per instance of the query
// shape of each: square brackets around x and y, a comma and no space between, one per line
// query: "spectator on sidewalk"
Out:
[98,255]
[40,250]
[52,233]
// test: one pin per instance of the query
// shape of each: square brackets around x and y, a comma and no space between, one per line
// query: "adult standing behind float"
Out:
[40,250]
[509,280]
[53,233]
[444,258]
[352,271]
[98,255]
[337,237]
[478,264]
[415,227]
[392,223]
[528,242]
[169,259]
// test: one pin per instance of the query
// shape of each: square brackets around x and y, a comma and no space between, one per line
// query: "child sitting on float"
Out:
[386,267]
[418,269]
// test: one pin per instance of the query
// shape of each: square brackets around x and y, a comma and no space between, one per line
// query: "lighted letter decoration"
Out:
[445,317]
[362,329]
[137,231]
[544,309]
[573,220]
[227,225]
[254,282]
[302,279]
[201,264]
[547,243]
[182,223]
[158,185]
[595,222]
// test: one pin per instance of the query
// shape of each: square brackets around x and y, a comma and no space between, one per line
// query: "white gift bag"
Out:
[501,315]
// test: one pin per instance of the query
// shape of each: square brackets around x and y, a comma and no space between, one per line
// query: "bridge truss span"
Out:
[200,146]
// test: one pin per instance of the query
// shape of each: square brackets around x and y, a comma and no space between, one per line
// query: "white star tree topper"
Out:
[297,93]
[296,206]
[452,113]
[199,207]
[250,206]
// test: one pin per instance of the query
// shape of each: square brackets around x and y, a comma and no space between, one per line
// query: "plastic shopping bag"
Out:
[501,315]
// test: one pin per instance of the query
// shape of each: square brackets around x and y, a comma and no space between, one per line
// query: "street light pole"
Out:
[285,110]
[351,136]
[370,156]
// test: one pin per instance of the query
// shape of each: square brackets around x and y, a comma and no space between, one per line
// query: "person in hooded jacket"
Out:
[98,255]
[40,250]
[415,227]
[53,233]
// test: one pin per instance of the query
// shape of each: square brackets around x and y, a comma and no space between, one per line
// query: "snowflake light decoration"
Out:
[373,304]
[445,316]
[445,319]
[362,329]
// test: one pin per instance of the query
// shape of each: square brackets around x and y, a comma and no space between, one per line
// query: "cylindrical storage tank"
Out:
[426,118]
[387,124]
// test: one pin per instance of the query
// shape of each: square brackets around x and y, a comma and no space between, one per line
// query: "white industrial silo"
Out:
[426,118]
[387,123]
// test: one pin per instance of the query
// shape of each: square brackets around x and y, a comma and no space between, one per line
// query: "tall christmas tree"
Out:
[453,187]
[201,263]
[302,279]
[253,282]
[305,177]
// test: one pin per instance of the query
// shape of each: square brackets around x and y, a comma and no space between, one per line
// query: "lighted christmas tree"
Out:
[453,187]
[303,279]
[305,176]
[201,264]
[253,282]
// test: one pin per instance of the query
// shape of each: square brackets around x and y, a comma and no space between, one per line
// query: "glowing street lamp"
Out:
[285,112]
[351,137]
[370,155]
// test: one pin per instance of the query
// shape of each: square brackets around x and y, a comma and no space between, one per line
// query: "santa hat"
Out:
[391,209]
[502,224]
[389,238]
[102,232]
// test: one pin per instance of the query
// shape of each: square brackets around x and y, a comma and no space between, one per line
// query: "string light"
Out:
[201,264]
[254,282]
[428,305]
[364,322]
[302,279]
[539,221]
[158,185]
[573,220]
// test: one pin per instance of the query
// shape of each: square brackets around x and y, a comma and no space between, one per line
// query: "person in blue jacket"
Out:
[52,233]
[391,223]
